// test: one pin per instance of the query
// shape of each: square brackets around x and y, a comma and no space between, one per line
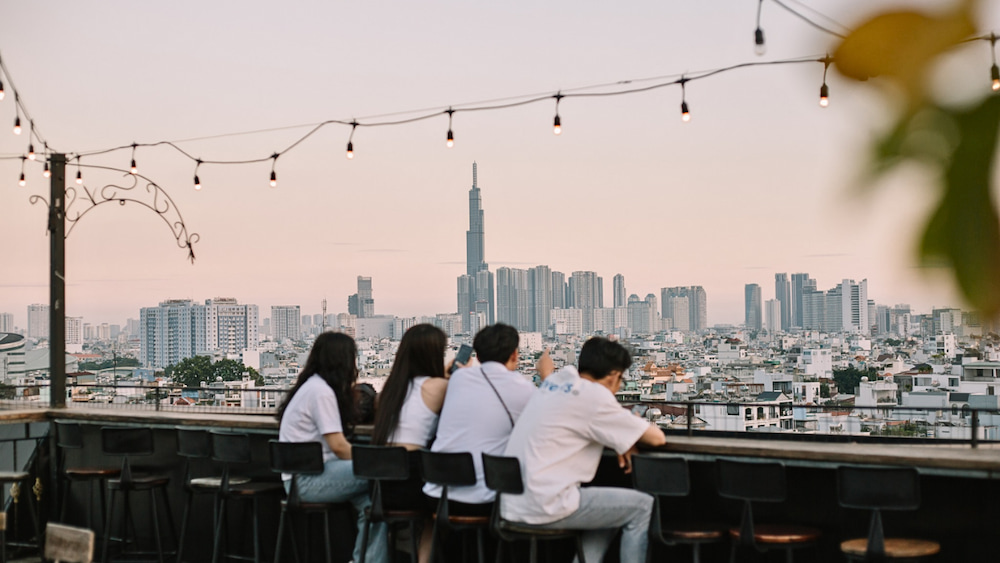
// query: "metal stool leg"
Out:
[184,523]
[364,539]
[281,533]
[156,526]
[107,527]
[326,536]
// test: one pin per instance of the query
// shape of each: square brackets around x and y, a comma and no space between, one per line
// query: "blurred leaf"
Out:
[964,230]
[901,45]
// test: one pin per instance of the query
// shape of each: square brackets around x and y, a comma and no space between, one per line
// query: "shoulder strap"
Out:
[509,417]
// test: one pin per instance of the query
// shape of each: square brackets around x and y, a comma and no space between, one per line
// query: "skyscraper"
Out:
[783,293]
[170,332]
[38,321]
[230,328]
[686,307]
[540,280]
[753,305]
[619,291]
[6,322]
[559,291]
[285,322]
[475,243]
[801,284]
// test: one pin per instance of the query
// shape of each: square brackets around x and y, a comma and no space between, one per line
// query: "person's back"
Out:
[480,408]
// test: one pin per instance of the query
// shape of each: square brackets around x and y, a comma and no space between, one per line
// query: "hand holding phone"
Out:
[461,359]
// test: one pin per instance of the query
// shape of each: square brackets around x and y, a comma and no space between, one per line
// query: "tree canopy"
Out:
[848,379]
[122,362]
[190,372]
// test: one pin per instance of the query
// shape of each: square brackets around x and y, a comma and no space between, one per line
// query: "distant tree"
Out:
[108,364]
[7,391]
[190,372]
[824,391]
[893,342]
[848,379]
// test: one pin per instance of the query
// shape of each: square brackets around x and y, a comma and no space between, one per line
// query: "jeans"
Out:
[338,484]
[603,510]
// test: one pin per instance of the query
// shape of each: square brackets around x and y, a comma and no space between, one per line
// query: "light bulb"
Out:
[451,140]
[197,182]
[46,171]
[132,169]
[758,39]
[31,152]
[79,177]
[2,93]
[274,179]
[685,114]
[350,150]
[824,95]
[556,126]
[21,182]
[17,125]
[995,75]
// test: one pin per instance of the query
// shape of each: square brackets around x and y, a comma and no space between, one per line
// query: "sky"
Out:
[761,180]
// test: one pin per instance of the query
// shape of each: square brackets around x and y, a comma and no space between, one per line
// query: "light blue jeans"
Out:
[338,484]
[605,510]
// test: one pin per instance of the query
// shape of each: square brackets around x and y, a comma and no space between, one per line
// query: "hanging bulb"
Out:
[2,93]
[556,126]
[79,177]
[31,152]
[451,140]
[350,150]
[274,179]
[132,169]
[824,95]
[22,181]
[685,114]
[45,172]
[758,39]
[17,125]
[995,75]
[197,182]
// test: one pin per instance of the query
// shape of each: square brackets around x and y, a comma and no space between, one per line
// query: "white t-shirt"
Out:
[473,420]
[311,413]
[559,440]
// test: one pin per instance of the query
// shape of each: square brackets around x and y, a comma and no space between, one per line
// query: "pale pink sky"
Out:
[760,181]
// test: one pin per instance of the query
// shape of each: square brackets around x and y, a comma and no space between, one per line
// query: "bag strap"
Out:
[509,417]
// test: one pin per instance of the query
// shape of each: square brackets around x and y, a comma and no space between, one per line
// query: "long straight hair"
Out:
[421,352]
[334,357]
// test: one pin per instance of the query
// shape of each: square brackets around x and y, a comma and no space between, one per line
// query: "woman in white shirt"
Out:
[407,413]
[320,408]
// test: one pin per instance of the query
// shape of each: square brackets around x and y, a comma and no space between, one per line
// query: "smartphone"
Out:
[462,357]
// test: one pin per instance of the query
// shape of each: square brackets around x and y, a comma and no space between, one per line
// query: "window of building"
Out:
[749,414]
[733,410]
[760,413]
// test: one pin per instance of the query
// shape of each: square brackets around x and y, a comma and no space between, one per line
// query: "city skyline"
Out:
[754,184]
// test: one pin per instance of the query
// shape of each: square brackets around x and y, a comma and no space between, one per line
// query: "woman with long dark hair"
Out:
[407,413]
[320,408]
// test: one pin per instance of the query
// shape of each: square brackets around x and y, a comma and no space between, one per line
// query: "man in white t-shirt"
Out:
[559,440]
[479,411]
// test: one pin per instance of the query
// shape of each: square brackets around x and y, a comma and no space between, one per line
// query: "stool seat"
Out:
[693,532]
[895,548]
[518,528]
[13,476]
[86,473]
[467,520]
[216,482]
[780,534]
[256,488]
[316,506]
[141,482]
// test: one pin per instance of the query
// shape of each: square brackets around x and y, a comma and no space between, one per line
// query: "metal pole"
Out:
[975,428]
[57,281]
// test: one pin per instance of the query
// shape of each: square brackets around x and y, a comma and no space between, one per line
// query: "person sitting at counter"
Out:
[559,439]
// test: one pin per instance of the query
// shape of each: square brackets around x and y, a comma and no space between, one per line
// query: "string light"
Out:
[31,151]
[132,168]
[21,182]
[2,93]
[197,182]
[685,113]
[758,35]
[46,172]
[994,70]
[557,123]
[274,175]
[824,90]
[450,142]
[350,141]
[79,174]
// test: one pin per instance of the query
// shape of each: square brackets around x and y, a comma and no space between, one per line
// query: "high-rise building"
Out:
[475,237]
[285,322]
[559,291]
[540,282]
[170,332]
[783,293]
[466,294]
[772,316]
[686,307]
[230,328]
[38,321]
[752,305]
[618,300]
[642,317]
[841,309]
[585,294]
[366,304]
[486,295]
[74,335]
[801,284]
[513,304]
[6,322]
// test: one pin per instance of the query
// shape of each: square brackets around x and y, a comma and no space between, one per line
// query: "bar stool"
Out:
[452,469]
[194,445]
[378,464]
[503,475]
[301,458]
[669,477]
[69,436]
[231,448]
[762,482]
[879,489]
[127,442]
